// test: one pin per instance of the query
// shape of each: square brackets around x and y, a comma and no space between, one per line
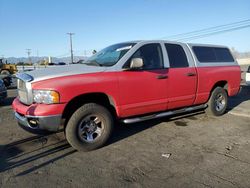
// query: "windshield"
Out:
[110,55]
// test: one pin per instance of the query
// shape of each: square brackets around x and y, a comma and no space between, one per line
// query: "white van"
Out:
[248,76]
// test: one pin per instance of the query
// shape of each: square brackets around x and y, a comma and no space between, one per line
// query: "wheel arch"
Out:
[99,98]
[221,83]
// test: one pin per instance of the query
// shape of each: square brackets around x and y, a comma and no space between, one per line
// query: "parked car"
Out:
[7,79]
[129,82]
[248,76]
[3,91]
[60,63]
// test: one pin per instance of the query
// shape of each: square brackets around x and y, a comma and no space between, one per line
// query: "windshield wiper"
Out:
[93,63]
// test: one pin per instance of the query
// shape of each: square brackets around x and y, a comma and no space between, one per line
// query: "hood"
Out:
[65,70]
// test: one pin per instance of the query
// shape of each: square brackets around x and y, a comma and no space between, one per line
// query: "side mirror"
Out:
[136,63]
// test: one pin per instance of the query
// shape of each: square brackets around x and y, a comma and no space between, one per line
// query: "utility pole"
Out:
[71,48]
[28,51]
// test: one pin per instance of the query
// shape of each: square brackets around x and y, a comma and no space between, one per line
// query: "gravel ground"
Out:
[193,150]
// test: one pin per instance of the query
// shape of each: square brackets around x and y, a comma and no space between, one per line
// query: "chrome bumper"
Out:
[44,123]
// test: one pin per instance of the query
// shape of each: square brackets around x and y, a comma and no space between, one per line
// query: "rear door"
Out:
[182,77]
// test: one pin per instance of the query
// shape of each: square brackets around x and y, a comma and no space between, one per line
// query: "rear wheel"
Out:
[217,103]
[89,127]
[5,72]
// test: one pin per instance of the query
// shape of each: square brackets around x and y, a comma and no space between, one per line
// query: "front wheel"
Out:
[217,103]
[89,127]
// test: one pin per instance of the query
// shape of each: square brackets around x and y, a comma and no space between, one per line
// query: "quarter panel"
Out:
[209,76]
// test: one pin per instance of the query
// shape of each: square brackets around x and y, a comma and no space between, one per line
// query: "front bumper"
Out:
[39,123]
[37,118]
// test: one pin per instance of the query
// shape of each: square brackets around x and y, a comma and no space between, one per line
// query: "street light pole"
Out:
[28,51]
[71,46]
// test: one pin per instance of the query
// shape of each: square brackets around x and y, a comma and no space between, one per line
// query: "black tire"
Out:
[217,103]
[6,82]
[89,119]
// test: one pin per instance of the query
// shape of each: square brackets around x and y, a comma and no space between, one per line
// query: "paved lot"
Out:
[187,151]
[190,151]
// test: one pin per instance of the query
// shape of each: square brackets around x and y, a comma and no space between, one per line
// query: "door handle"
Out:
[191,74]
[162,77]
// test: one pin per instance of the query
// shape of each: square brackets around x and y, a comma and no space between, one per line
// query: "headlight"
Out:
[46,96]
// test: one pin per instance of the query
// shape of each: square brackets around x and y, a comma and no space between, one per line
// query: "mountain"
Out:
[15,60]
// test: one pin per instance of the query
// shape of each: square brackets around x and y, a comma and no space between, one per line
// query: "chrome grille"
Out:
[20,84]
[22,91]
[24,88]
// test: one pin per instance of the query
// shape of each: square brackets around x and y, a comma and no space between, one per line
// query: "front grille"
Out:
[22,91]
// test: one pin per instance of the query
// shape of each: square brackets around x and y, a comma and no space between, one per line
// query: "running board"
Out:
[163,114]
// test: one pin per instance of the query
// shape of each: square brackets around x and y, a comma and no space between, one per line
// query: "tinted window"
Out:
[223,55]
[204,54]
[212,54]
[151,55]
[176,55]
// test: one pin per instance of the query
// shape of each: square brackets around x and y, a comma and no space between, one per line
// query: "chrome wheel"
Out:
[220,102]
[91,128]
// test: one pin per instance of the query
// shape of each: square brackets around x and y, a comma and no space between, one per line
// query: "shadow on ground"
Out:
[13,155]
[20,154]
[244,95]
[123,131]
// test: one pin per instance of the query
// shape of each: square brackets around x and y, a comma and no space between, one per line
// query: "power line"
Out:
[214,33]
[209,30]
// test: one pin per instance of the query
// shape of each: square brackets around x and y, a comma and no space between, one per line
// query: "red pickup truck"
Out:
[129,82]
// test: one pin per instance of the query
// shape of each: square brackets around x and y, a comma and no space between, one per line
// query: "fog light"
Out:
[33,123]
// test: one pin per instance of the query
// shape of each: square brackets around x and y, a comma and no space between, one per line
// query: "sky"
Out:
[41,25]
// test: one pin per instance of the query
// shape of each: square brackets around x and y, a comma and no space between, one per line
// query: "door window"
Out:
[151,55]
[176,55]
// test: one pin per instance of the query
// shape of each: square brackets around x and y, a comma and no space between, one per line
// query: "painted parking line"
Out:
[242,114]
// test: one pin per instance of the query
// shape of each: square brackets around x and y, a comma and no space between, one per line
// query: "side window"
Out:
[212,54]
[176,55]
[223,55]
[151,55]
[204,54]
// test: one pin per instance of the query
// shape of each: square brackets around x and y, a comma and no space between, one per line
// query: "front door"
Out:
[144,91]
